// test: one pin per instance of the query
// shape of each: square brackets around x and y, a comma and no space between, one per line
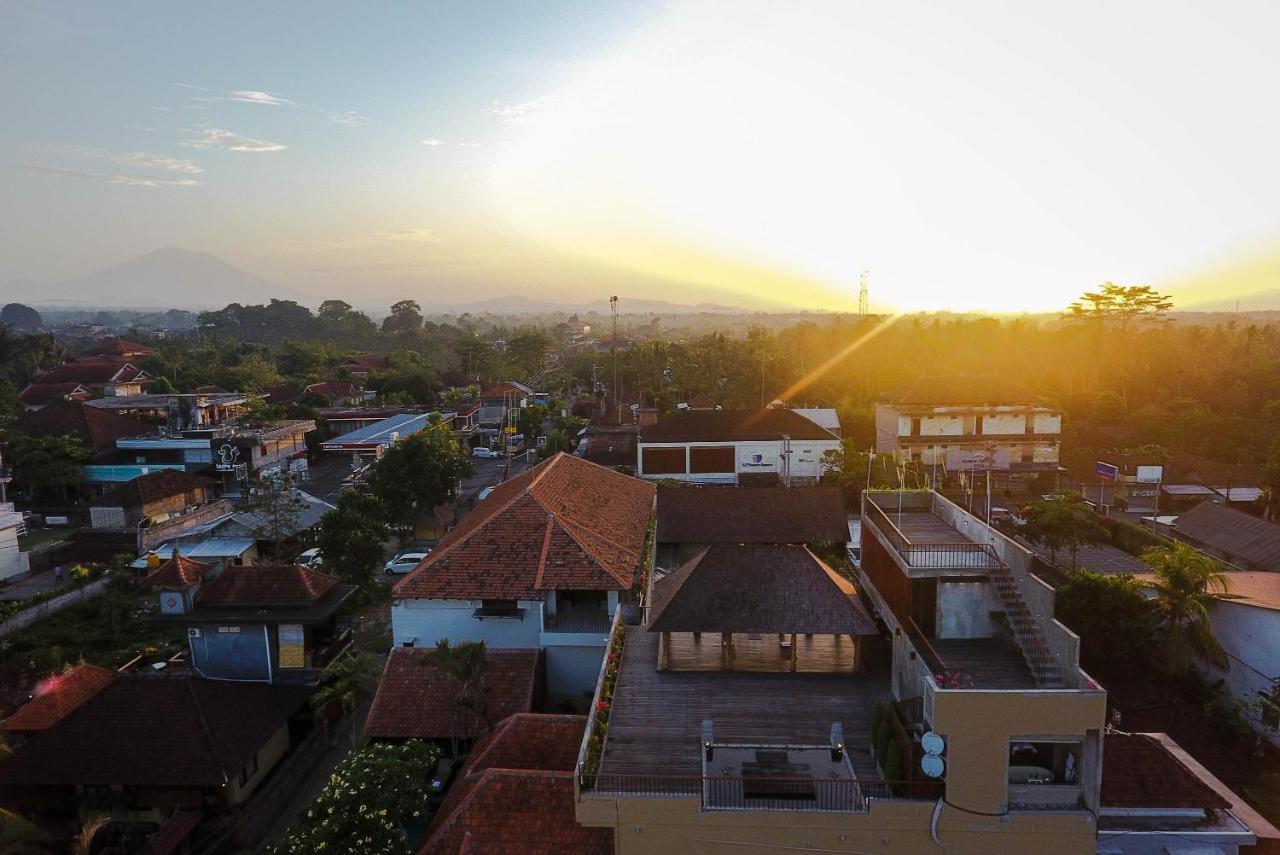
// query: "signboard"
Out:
[1150,474]
[226,455]
[977,460]
[757,457]
[292,646]
[1106,471]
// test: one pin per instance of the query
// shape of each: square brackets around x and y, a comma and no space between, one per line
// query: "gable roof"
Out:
[309,514]
[530,741]
[826,417]
[1248,540]
[120,346]
[1139,772]
[44,393]
[151,731]
[98,429]
[94,372]
[1259,588]
[152,487]
[415,697]
[958,389]
[282,393]
[565,523]
[56,697]
[751,515]
[731,426]
[335,389]
[266,584]
[757,589]
[506,387]
[178,572]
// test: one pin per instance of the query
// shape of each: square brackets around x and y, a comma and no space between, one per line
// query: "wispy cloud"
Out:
[132,158]
[231,141]
[115,178]
[432,142]
[350,118]
[517,112]
[193,86]
[253,96]
[414,235]
[468,144]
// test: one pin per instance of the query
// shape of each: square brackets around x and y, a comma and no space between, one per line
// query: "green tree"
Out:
[405,319]
[369,798]
[557,441]
[1112,617]
[1186,582]
[1120,305]
[418,474]
[347,681]
[161,386]
[466,664]
[1063,521]
[43,464]
[278,510]
[351,537]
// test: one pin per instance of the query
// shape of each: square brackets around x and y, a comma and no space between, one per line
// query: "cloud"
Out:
[231,141]
[253,96]
[115,178]
[415,235]
[193,86]
[132,158]
[467,144]
[517,112]
[350,118]
[433,142]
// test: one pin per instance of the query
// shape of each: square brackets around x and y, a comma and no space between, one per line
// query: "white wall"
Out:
[964,610]
[424,622]
[941,426]
[806,459]
[1048,423]
[12,562]
[1251,637]
[1004,424]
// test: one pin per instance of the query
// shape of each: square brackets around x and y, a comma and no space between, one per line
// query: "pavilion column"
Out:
[664,650]
[857,653]
[793,651]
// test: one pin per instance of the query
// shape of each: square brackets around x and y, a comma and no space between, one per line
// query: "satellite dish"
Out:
[932,765]
[932,744]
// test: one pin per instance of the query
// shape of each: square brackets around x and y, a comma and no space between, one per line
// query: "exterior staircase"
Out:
[1044,669]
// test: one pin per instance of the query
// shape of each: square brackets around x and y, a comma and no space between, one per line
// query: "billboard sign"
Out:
[292,645]
[226,455]
[1106,471]
[977,460]
[1150,474]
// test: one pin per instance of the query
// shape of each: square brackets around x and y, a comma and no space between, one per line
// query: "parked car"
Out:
[311,558]
[486,453]
[405,561]
[439,782]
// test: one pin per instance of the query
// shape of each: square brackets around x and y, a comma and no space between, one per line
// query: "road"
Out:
[325,476]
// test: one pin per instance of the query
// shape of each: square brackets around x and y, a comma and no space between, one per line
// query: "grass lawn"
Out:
[38,537]
[107,630]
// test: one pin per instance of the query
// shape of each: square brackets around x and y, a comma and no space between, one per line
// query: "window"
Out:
[663,461]
[228,629]
[1052,762]
[499,609]
[711,459]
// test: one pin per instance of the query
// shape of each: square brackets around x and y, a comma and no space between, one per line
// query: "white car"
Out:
[405,561]
[311,558]
[482,452]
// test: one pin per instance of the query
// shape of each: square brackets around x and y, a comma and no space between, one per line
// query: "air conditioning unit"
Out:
[193,632]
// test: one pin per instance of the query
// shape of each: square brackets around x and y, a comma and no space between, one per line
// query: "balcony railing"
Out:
[739,793]
[577,621]
[957,554]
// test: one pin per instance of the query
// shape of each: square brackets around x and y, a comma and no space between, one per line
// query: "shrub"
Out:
[877,716]
[893,765]
[883,736]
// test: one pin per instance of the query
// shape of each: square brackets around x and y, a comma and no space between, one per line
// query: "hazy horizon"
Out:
[747,154]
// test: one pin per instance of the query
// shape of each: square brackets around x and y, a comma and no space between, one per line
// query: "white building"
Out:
[13,561]
[734,447]
[543,562]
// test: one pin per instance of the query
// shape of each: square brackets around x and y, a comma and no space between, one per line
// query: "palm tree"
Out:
[82,843]
[1187,580]
[466,663]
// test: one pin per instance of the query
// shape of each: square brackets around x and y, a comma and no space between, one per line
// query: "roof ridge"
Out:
[466,800]
[208,732]
[546,547]
[594,557]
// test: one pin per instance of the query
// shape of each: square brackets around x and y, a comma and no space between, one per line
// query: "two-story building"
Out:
[496,400]
[773,446]
[973,424]
[542,562]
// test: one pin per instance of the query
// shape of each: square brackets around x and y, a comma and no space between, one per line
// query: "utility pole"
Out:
[862,297]
[613,350]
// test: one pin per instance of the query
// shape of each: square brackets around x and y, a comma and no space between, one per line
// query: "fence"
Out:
[957,554]
[752,793]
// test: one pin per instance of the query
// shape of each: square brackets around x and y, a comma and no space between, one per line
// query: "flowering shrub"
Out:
[370,795]
[600,715]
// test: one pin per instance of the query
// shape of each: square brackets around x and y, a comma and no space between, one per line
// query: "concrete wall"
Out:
[573,670]
[964,610]
[1004,423]
[12,561]
[941,426]
[159,533]
[424,622]
[1251,637]
[268,756]
[806,459]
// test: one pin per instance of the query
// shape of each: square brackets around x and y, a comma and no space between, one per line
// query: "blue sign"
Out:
[1109,471]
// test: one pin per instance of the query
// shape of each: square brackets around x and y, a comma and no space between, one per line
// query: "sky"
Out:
[979,156]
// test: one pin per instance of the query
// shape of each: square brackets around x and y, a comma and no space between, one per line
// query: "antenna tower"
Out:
[862,296]
[613,350]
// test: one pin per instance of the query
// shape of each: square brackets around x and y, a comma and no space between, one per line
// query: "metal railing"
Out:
[577,621]
[751,793]
[958,554]
[946,676]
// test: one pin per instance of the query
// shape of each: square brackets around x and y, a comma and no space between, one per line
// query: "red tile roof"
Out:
[45,393]
[415,699]
[121,346]
[152,731]
[56,697]
[152,487]
[266,584]
[530,741]
[1139,772]
[178,572]
[513,810]
[565,523]
[335,389]
[98,429]
[93,372]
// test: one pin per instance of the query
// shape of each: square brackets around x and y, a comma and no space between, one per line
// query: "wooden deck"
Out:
[817,654]
[655,725]
[989,662]
[924,527]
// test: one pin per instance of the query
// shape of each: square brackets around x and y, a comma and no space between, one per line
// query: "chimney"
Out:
[648,416]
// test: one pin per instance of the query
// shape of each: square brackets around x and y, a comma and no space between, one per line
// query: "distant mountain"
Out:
[166,278]
[517,305]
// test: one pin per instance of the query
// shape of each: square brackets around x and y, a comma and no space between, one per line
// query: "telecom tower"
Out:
[613,350]
[862,296]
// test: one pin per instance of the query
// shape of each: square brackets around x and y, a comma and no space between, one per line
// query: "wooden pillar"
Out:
[664,651]
[725,641]
[793,651]
[857,653]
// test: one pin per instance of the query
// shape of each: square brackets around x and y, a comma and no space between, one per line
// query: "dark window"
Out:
[664,461]
[915,427]
[499,609]
[712,459]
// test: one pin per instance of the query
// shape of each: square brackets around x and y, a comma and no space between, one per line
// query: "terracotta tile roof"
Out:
[369,361]
[98,429]
[93,372]
[565,523]
[530,741]
[1246,539]
[283,393]
[732,426]
[121,346]
[612,446]
[415,698]
[45,393]
[964,389]
[56,697]
[178,572]
[751,515]
[509,387]
[1259,588]
[266,584]
[1139,772]
[757,589]
[511,810]
[150,731]
[152,487]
